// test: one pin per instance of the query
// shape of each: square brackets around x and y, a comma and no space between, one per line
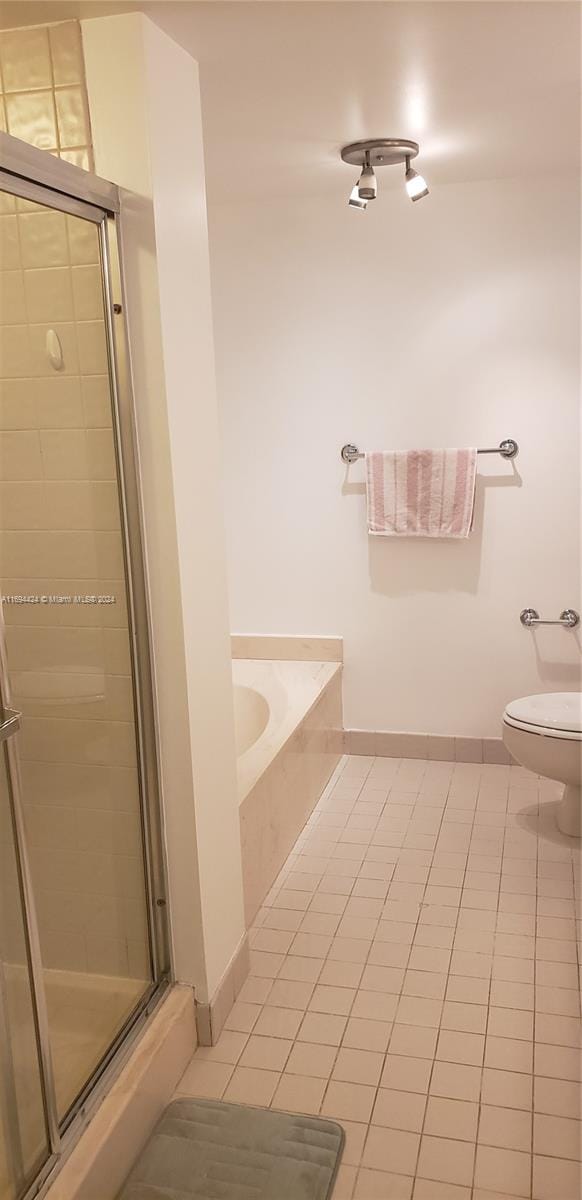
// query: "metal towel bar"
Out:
[569,618]
[507,449]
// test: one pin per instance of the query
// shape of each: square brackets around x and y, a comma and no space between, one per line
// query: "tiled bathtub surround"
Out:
[285,771]
[42,90]
[414,974]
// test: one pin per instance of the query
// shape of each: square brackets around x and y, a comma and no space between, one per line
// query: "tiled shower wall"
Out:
[59,535]
[44,99]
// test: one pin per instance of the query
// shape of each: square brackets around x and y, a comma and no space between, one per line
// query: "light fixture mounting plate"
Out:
[383,152]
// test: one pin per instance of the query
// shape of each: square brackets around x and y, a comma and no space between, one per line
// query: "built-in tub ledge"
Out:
[288,718]
[296,647]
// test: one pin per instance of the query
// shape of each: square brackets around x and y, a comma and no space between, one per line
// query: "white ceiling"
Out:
[490,90]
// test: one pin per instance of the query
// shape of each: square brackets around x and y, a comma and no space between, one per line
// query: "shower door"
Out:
[83,940]
[24,1134]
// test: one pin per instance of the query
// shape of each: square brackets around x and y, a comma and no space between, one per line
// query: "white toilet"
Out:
[544,734]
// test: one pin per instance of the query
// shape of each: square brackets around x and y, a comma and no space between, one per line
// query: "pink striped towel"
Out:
[421,493]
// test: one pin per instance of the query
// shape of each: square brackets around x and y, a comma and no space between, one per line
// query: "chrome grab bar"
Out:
[569,618]
[507,449]
[10,723]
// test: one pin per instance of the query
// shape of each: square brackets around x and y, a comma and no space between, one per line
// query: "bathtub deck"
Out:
[291,689]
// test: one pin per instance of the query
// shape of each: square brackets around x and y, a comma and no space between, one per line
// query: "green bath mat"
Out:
[207,1150]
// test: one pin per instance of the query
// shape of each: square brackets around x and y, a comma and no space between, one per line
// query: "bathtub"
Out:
[288,722]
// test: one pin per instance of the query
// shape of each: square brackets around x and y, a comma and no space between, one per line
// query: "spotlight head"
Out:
[355,200]
[367,185]
[416,184]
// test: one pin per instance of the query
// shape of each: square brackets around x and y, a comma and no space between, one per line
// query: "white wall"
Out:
[453,321]
[145,114]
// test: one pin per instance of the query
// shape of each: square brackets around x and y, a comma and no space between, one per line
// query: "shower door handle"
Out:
[10,723]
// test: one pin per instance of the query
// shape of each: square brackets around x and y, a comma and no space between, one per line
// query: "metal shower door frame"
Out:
[9,726]
[33,174]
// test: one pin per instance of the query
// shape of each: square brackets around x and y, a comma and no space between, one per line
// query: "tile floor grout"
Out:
[372,840]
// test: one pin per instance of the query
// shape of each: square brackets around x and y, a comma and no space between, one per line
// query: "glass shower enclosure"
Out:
[83,938]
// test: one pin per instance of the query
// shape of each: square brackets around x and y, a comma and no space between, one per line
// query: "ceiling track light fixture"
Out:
[382,152]
[416,184]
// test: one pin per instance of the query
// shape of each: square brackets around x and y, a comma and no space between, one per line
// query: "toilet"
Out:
[544,734]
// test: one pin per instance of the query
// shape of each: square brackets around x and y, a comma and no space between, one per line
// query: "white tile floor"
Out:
[415,975]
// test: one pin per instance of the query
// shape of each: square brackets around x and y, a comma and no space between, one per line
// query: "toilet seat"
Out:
[552,714]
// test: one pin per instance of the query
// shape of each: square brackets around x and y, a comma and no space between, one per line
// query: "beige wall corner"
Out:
[138,79]
[210,1018]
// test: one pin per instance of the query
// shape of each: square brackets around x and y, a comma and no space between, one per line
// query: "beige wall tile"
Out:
[88,293]
[48,739]
[58,402]
[359,741]
[80,505]
[12,302]
[15,351]
[96,401]
[7,202]
[109,554]
[494,751]
[30,116]
[20,456]
[17,404]
[49,295]
[402,745]
[100,454]
[59,911]
[51,828]
[66,53]
[34,556]
[43,648]
[25,59]
[80,158]
[72,117]
[22,505]
[441,748]
[92,347]
[107,956]
[117,657]
[109,832]
[83,241]
[9,243]
[97,787]
[64,454]
[43,238]
[64,951]
[81,694]
[24,205]
[468,749]
[138,959]
[57,870]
